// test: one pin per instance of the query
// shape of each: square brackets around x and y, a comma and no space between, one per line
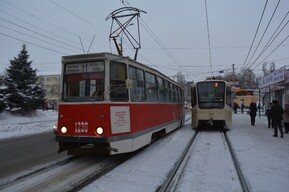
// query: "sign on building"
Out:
[273,78]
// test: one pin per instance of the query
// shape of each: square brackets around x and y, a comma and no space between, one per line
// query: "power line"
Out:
[40,19]
[37,27]
[37,33]
[208,31]
[35,37]
[254,36]
[270,41]
[77,16]
[157,40]
[33,44]
[264,32]
[273,50]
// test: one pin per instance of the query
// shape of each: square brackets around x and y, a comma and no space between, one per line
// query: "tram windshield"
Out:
[211,95]
[84,81]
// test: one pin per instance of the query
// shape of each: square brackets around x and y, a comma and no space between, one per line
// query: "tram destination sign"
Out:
[273,78]
[84,67]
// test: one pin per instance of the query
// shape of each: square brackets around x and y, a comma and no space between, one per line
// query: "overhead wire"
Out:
[69,46]
[244,64]
[156,39]
[33,37]
[208,33]
[79,17]
[272,38]
[15,38]
[264,32]
[37,27]
[274,49]
[40,19]
[37,33]
[269,42]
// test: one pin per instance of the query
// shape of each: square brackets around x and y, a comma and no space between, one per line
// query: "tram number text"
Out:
[81,127]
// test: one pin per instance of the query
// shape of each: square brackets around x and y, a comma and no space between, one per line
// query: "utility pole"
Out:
[233,73]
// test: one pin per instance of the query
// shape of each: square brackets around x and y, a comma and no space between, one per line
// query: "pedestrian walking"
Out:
[253,112]
[236,106]
[269,116]
[277,112]
[242,107]
[286,118]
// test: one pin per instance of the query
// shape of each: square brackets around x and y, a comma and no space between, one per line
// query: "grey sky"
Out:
[51,29]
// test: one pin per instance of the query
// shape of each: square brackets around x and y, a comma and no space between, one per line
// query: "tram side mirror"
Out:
[128,83]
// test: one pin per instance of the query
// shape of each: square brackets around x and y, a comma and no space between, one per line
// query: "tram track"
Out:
[178,172]
[71,174]
[242,179]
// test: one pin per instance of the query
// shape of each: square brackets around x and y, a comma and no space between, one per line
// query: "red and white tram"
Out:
[114,104]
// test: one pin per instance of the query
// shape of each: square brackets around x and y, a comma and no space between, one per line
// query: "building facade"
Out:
[275,86]
[52,85]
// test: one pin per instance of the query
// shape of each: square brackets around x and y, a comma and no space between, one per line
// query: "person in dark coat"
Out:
[286,118]
[276,113]
[268,114]
[253,112]
[236,106]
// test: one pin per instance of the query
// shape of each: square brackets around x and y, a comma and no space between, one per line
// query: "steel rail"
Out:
[243,182]
[168,182]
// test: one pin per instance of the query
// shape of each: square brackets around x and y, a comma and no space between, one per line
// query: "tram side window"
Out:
[161,90]
[173,93]
[167,91]
[177,94]
[118,76]
[137,90]
[151,87]
[181,95]
[229,96]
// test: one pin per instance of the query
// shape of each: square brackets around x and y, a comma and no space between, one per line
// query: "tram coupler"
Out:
[210,122]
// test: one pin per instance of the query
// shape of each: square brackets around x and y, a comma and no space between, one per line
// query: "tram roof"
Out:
[110,56]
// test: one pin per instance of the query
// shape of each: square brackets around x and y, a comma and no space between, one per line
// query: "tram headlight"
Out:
[99,130]
[63,130]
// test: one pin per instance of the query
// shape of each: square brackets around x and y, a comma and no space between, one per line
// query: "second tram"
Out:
[211,104]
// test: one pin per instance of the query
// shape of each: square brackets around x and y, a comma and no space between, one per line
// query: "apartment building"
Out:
[51,83]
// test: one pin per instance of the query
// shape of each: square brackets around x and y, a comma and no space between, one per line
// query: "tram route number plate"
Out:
[120,119]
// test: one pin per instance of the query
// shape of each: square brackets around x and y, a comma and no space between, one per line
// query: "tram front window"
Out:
[211,96]
[84,82]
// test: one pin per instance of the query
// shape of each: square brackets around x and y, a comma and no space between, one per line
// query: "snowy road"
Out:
[25,152]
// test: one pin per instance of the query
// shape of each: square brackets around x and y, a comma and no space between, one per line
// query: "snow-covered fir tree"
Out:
[23,94]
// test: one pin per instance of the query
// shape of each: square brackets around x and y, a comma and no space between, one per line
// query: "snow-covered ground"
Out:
[263,158]
[15,126]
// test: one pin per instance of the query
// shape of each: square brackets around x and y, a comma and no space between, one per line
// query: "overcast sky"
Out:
[174,34]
